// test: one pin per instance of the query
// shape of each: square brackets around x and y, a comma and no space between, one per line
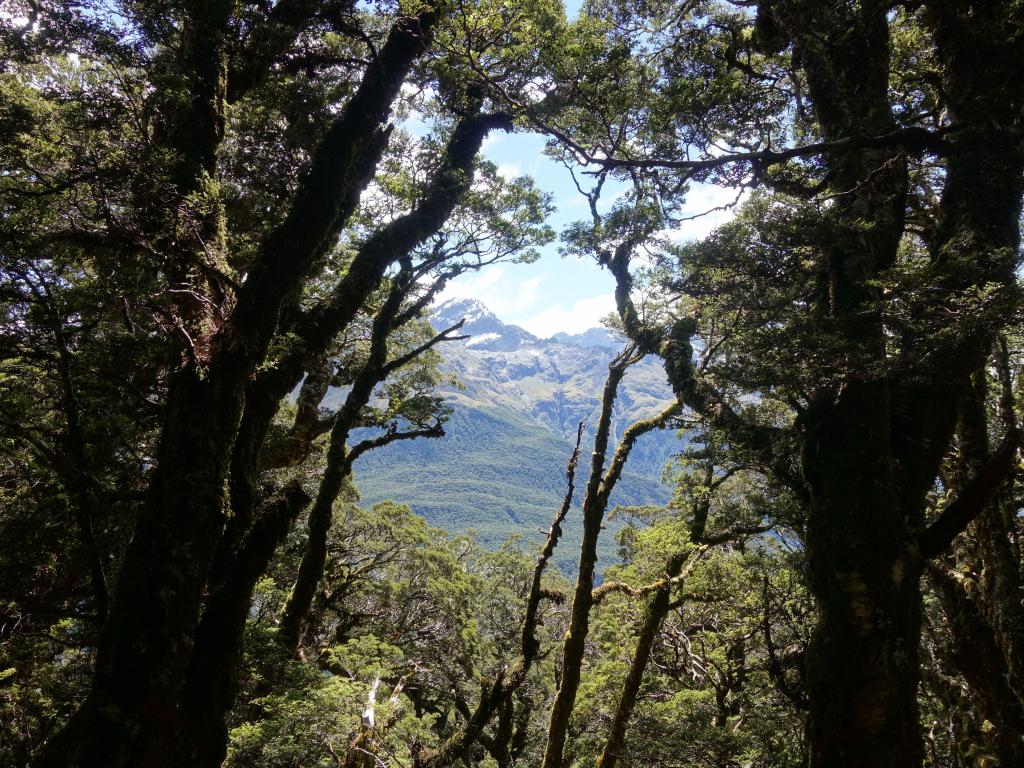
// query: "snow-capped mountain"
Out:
[556,381]
[593,337]
[488,332]
[499,470]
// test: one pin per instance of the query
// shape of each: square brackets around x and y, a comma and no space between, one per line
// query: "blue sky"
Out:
[561,293]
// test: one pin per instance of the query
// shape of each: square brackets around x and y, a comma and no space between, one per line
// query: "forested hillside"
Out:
[499,468]
[226,229]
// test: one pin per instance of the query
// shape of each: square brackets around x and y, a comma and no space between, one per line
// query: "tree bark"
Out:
[600,485]
[976,655]
[868,454]
[213,665]
[654,614]
[133,715]
[211,686]
[862,662]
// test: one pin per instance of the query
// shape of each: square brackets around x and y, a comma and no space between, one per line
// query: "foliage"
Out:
[423,614]
[221,227]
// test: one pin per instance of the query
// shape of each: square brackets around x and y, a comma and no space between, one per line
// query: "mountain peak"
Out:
[475,312]
[487,331]
[491,333]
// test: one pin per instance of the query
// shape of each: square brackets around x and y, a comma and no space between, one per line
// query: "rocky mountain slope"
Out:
[500,469]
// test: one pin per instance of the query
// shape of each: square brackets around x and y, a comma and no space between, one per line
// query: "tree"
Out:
[604,474]
[217,252]
[207,209]
[839,299]
[974,607]
[404,608]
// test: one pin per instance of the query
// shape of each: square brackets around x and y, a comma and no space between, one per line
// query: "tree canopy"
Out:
[223,224]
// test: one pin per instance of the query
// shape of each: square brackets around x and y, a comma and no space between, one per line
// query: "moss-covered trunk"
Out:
[862,665]
[975,654]
[862,662]
[579,619]
[654,614]
[876,430]
[211,678]
[600,485]
[134,715]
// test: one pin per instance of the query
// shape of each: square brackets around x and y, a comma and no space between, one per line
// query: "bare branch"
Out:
[379,442]
[412,354]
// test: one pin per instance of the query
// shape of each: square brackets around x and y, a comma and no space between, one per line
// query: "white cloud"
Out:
[584,314]
[518,302]
[16,20]
[537,89]
[510,171]
[703,202]
[422,93]
[491,140]
[493,286]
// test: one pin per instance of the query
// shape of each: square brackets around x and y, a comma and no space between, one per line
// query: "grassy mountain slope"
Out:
[500,469]
[496,472]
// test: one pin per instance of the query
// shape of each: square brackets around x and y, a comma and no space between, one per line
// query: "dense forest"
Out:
[223,225]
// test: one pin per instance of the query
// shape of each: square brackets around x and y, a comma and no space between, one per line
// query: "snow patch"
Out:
[483,338]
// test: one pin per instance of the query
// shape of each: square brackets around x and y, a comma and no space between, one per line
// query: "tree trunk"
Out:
[862,662]
[243,553]
[600,485]
[133,716]
[976,655]
[655,613]
[872,442]
[213,664]
[579,622]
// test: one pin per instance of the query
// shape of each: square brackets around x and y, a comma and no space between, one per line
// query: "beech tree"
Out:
[973,606]
[863,294]
[226,249]
[222,225]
